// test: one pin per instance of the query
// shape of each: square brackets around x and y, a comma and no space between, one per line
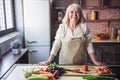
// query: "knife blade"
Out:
[71,70]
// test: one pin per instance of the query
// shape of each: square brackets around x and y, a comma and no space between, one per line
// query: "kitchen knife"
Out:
[71,70]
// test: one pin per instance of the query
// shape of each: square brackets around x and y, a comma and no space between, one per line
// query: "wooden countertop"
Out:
[105,41]
[8,60]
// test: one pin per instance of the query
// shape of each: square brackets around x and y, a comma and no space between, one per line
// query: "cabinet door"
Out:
[108,53]
[62,3]
[92,3]
[115,3]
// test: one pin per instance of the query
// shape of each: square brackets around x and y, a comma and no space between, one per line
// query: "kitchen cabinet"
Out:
[93,3]
[62,4]
[97,3]
[108,53]
[102,3]
[114,3]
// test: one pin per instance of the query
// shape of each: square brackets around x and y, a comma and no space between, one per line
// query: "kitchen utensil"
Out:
[71,70]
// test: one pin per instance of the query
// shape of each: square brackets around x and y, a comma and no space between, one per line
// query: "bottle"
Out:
[112,36]
[93,15]
[118,35]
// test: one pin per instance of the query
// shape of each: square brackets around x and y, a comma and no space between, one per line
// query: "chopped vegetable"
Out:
[38,77]
[56,70]
[52,65]
[99,77]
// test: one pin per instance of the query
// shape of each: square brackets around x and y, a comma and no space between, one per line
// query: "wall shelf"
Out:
[60,7]
[106,20]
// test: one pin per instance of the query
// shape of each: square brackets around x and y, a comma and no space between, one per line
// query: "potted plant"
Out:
[16,47]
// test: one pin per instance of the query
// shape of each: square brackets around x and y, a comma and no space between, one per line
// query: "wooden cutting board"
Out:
[91,71]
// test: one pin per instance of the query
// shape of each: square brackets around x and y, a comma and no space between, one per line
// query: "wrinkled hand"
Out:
[44,63]
[99,63]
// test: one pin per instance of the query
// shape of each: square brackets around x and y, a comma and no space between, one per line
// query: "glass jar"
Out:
[112,36]
[93,15]
[118,35]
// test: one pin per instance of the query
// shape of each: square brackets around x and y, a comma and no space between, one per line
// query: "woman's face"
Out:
[74,14]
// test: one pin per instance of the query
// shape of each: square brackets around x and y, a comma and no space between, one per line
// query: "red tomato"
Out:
[98,69]
[100,72]
[85,68]
[106,70]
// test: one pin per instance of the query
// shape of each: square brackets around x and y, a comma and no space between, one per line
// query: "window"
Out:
[6,17]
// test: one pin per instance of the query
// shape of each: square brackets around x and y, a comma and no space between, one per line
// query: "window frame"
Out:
[7,31]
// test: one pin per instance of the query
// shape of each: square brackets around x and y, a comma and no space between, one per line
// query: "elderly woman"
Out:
[73,39]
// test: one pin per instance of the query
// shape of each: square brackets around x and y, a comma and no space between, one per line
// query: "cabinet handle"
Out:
[32,51]
[31,42]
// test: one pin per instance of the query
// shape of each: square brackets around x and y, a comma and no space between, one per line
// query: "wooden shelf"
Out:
[106,20]
[60,7]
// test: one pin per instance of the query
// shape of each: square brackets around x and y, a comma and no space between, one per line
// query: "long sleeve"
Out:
[90,48]
[57,42]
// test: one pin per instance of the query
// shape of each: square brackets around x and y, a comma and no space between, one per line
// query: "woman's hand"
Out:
[44,63]
[95,61]
[99,63]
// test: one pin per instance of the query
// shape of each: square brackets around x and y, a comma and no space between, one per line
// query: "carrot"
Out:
[43,72]
[50,75]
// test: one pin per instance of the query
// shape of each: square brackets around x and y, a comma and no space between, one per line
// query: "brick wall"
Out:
[103,14]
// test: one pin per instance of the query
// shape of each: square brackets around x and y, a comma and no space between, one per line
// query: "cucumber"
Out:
[38,77]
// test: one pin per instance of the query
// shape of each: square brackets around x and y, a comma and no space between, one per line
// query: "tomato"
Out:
[85,68]
[100,72]
[98,69]
[107,70]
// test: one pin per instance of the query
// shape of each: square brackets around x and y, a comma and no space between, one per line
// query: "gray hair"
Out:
[66,17]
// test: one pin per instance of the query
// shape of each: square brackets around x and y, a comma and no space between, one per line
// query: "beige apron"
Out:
[73,50]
